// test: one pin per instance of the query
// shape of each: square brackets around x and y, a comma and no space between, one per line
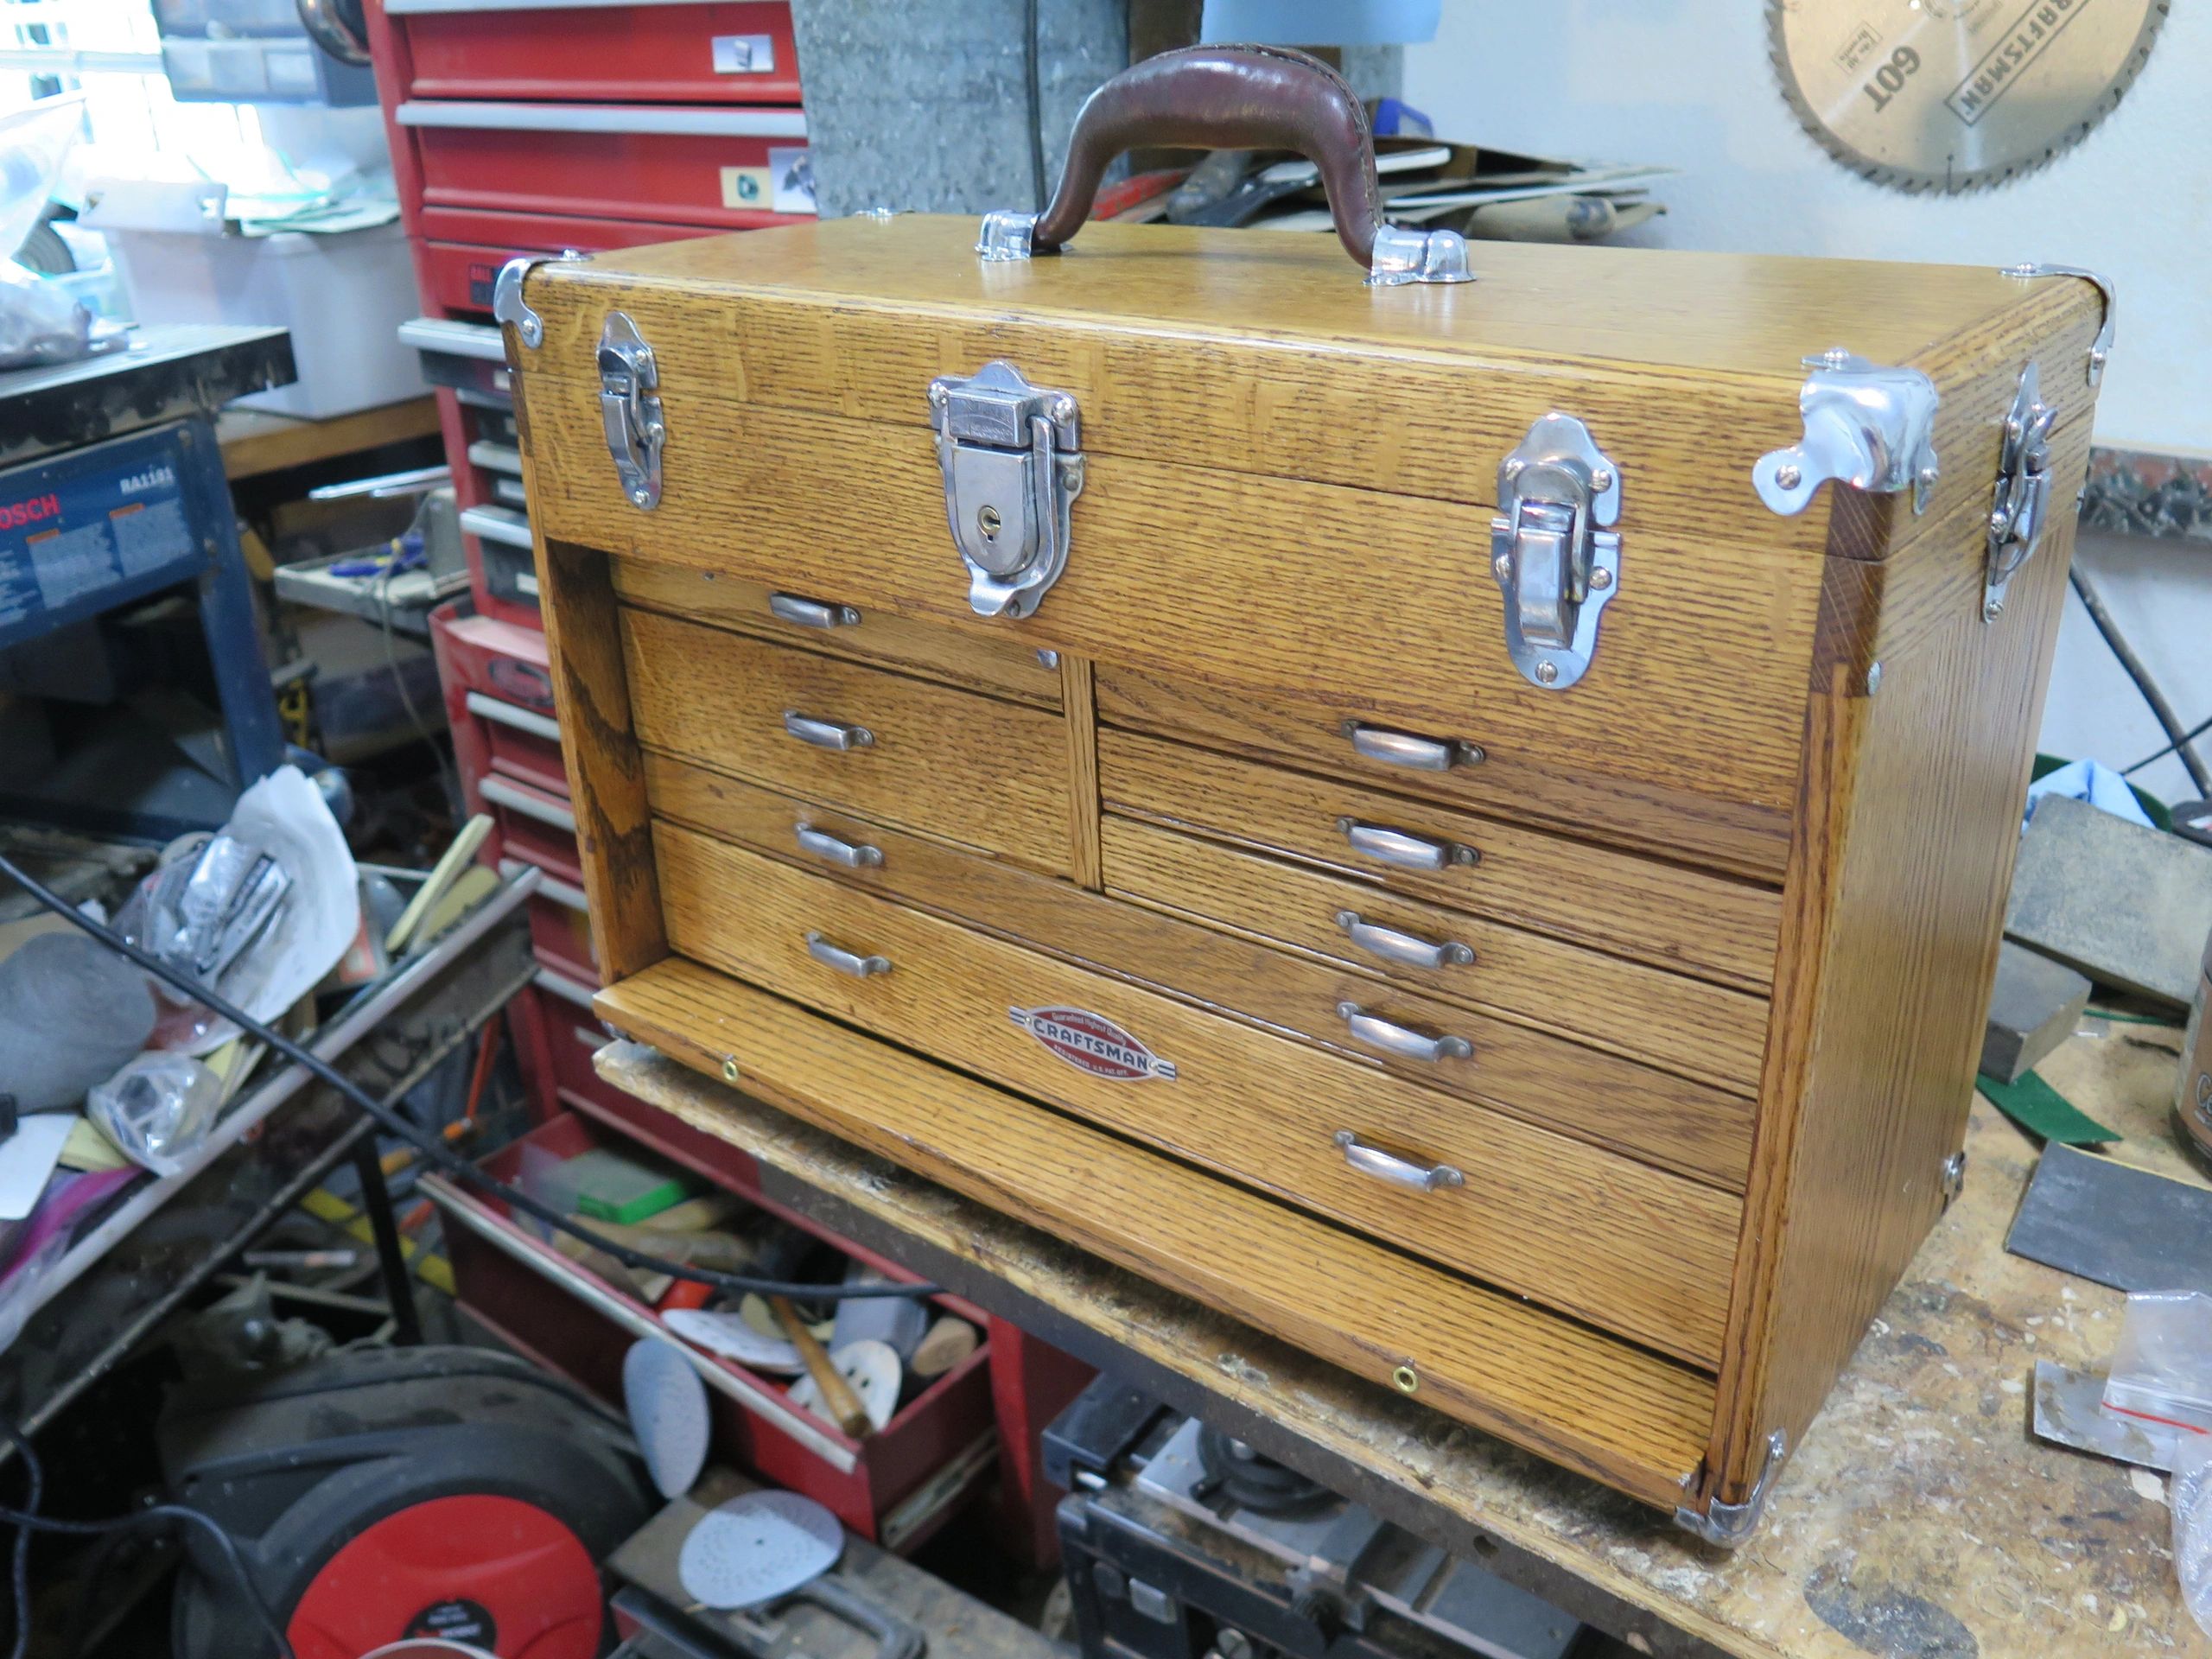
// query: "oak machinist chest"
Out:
[1463,823]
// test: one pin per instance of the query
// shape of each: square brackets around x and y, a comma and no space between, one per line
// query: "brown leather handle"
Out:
[1225,97]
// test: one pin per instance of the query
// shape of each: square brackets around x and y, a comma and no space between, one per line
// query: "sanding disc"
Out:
[667,1404]
[729,1335]
[757,1548]
[871,1367]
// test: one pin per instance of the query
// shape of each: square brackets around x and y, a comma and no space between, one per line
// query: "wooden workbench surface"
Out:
[1920,1520]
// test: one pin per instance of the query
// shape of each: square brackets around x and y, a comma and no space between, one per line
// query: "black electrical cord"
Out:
[1033,81]
[27,1520]
[429,1144]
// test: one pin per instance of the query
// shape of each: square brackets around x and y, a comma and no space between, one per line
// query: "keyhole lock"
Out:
[987,520]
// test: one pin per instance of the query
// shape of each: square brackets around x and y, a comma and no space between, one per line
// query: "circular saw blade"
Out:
[1954,95]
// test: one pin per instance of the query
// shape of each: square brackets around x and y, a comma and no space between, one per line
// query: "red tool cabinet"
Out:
[653,54]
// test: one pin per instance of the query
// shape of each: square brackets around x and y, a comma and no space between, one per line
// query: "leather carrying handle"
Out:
[1225,97]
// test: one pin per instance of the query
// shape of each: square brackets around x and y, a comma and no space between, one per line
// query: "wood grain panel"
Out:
[1520,1068]
[1667,1020]
[1539,1214]
[1572,1395]
[1539,781]
[1294,599]
[967,655]
[992,774]
[1680,918]
[1080,699]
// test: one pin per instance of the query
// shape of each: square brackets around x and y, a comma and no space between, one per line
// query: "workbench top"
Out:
[1920,1518]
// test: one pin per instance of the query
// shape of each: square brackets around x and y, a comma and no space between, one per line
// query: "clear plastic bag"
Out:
[158,1109]
[2161,1370]
[2191,1497]
[40,322]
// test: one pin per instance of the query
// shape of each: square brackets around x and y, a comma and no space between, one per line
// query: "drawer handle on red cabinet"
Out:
[812,612]
[1410,949]
[853,855]
[826,734]
[1380,1034]
[1405,749]
[844,961]
[1399,1172]
[1389,846]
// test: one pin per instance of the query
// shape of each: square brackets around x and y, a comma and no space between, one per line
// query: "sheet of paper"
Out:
[27,1158]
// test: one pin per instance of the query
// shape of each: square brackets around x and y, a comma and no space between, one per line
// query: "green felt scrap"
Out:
[2043,1112]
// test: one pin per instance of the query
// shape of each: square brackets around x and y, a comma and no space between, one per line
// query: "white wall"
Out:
[1688,82]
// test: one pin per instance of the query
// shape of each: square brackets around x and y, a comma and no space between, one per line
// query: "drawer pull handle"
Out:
[1409,852]
[1380,1034]
[844,961]
[1399,1172]
[827,733]
[811,612]
[1408,949]
[853,855]
[1405,749]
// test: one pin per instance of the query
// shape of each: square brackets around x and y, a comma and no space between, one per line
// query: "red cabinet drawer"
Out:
[524,743]
[672,54]
[707,166]
[460,276]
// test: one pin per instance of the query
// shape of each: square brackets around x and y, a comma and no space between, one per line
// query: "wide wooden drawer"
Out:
[925,757]
[1684,1025]
[836,624]
[1642,1252]
[1683,918]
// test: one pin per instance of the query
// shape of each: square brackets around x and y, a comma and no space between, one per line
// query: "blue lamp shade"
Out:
[1321,23]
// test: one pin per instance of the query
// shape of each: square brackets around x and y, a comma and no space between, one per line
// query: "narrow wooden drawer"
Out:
[923,757]
[1701,1030]
[838,624]
[1544,778]
[1633,1248]
[1679,917]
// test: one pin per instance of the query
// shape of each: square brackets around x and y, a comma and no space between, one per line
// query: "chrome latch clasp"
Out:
[1552,550]
[1867,426]
[2021,509]
[629,408]
[1011,457]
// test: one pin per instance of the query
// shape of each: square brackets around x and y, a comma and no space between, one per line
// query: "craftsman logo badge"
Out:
[1091,1042]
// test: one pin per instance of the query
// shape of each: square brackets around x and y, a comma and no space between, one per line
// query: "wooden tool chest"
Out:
[1462,822]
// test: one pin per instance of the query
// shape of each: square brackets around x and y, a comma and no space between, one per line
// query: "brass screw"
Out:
[987,520]
[1406,1380]
[729,1070]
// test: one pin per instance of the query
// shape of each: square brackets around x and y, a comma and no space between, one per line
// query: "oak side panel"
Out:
[1079,703]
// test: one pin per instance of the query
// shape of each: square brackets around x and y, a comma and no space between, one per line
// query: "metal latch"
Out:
[629,407]
[1550,550]
[1011,457]
[2016,515]
[1867,426]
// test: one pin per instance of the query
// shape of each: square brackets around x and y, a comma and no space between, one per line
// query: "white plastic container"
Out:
[343,295]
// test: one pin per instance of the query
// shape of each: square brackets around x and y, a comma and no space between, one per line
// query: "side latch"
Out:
[508,305]
[629,407]
[2022,505]
[1867,426]
[1729,1524]
[1011,457]
[1552,551]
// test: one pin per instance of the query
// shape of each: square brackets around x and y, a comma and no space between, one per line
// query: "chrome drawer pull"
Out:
[1404,749]
[1389,845]
[826,734]
[812,612]
[844,961]
[853,855]
[1410,949]
[1397,1039]
[1399,1172]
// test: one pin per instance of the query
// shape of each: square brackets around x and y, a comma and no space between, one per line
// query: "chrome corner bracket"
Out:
[1005,236]
[1954,1177]
[1552,550]
[507,303]
[1012,456]
[1729,1524]
[1402,255]
[629,408]
[2020,510]
[2101,347]
[1867,426]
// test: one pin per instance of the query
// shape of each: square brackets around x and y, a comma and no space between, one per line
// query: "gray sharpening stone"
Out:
[2128,906]
[2113,1223]
[2032,1011]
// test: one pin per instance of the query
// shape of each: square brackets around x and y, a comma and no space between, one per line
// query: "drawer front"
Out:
[1680,918]
[993,775]
[1538,776]
[836,624]
[736,53]
[1635,1249]
[523,743]
[1684,1025]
